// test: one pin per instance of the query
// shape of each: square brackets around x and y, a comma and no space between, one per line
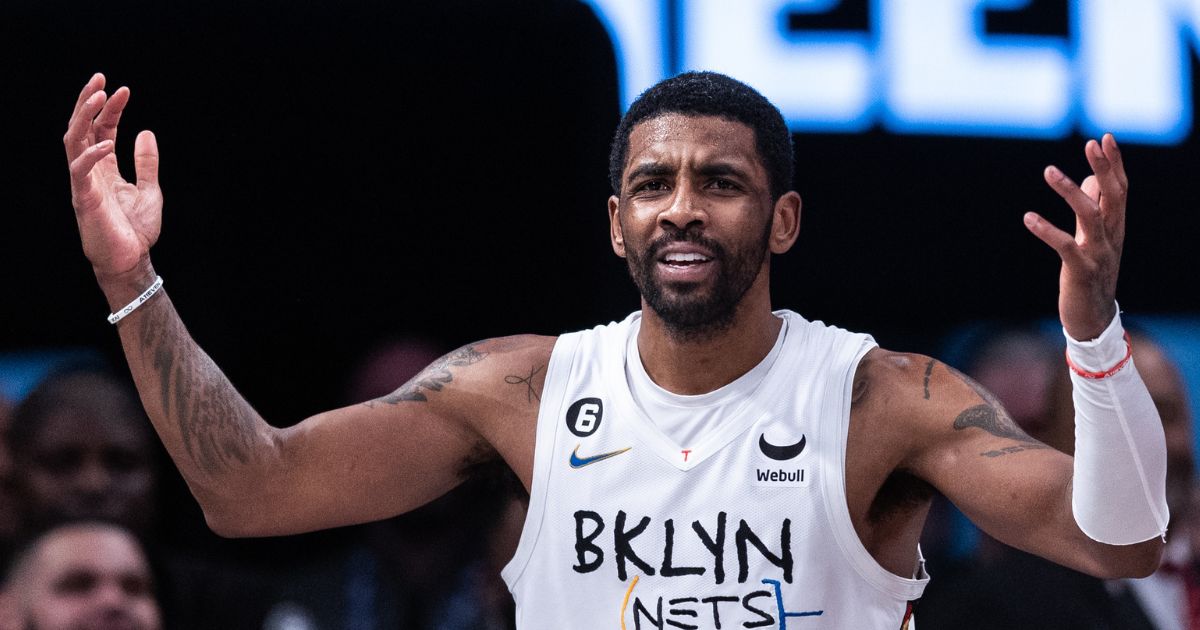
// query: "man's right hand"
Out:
[118,221]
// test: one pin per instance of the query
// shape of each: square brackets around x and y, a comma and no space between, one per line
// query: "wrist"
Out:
[1089,324]
[123,287]
[1102,352]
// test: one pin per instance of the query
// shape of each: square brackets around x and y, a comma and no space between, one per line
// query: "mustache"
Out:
[687,235]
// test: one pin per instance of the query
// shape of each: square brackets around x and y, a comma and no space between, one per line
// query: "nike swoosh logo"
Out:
[579,462]
[780,453]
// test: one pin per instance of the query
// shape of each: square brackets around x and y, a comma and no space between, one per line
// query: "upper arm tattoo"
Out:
[531,394]
[928,372]
[991,417]
[434,377]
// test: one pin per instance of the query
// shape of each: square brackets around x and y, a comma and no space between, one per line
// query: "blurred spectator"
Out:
[77,576]
[1006,588]
[82,449]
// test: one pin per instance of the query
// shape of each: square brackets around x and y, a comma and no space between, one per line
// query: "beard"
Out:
[689,311]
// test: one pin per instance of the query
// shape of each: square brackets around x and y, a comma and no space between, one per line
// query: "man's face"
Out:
[693,218]
[88,464]
[88,578]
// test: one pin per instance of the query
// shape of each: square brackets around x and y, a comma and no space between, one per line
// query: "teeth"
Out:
[686,258]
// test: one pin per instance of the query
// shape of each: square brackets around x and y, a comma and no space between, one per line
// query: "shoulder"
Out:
[887,377]
[913,398]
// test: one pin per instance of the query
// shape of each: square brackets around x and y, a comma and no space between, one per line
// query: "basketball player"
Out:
[705,463]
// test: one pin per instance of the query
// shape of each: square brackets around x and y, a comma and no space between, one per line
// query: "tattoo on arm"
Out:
[531,394]
[432,378]
[928,372]
[216,425]
[991,417]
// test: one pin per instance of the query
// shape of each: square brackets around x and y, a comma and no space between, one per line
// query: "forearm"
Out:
[220,444]
[1120,454]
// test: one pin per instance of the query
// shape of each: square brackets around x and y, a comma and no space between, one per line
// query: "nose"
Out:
[93,476]
[686,209]
[109,594]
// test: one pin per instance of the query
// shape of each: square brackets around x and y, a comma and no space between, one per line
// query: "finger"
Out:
[105,124]
[91,87]
[1113,152]
[79,131]
[1114,183]
[1086,209]
[145,160]
[1057,239]
[1091,188]
[1110,174]
[81,169]
[1121,198]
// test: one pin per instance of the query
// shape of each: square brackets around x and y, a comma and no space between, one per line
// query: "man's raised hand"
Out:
[118,221]
[1091,259]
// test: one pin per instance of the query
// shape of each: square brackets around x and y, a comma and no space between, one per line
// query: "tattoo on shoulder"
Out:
[928,373]
[433,378]
[991,417]
[531,394]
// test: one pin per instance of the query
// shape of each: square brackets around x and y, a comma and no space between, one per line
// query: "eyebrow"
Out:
[649,169]
[709,169]
[717,169]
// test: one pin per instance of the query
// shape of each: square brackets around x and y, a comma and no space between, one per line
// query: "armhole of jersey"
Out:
[558,372]
[902,589]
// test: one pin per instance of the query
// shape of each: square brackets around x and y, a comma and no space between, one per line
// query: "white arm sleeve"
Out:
[1119,484]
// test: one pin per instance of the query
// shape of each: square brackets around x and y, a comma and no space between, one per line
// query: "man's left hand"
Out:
[1091,259]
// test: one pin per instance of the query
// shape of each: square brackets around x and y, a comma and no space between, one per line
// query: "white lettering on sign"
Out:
[929,66]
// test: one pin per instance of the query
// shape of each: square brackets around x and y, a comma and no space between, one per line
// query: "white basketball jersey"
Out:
[746,528]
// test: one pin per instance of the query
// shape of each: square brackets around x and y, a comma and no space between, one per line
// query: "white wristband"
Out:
[113,318]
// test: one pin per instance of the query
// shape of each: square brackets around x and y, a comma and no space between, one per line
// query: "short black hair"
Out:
[74,386]
[712,94]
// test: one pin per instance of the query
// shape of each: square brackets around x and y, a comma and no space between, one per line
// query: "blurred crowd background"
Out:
[355,187]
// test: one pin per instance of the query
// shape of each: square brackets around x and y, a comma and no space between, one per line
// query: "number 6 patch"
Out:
[583,416]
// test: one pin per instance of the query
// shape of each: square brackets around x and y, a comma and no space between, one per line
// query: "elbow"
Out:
[1130,561]
[1148,561]
[227,524]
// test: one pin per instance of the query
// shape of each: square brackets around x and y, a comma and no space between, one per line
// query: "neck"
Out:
[690,366]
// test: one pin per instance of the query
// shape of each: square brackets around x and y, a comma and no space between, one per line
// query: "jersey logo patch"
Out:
[579,462]
[780,453]
[584,415]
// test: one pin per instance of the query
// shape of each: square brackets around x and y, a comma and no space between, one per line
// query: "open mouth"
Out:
[682,259]
[687,267]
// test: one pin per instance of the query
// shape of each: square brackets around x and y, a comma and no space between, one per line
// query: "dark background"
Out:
[340,173]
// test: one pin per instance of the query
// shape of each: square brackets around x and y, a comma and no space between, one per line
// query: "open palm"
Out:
[118,221]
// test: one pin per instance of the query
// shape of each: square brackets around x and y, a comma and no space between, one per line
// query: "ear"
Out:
[785,222]
[614,226]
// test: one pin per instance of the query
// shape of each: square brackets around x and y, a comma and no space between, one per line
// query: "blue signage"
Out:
[928,66]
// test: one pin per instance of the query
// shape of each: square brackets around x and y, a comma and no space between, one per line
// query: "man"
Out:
[81,576]
[82,451]
[705,463]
